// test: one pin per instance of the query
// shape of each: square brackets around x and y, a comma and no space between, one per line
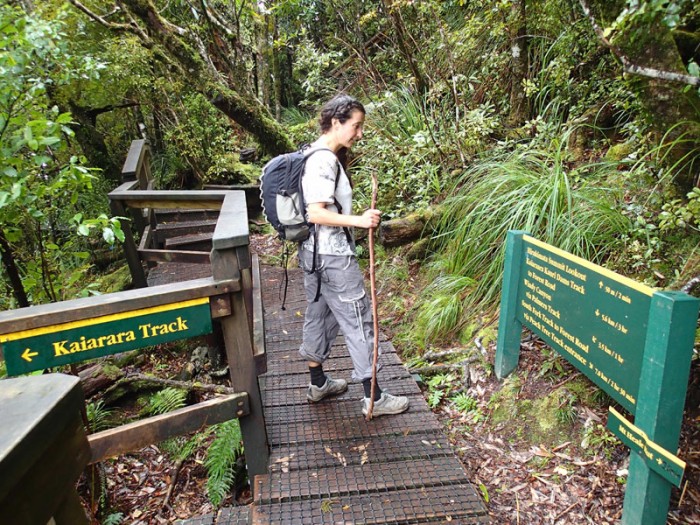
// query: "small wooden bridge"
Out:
[308,463]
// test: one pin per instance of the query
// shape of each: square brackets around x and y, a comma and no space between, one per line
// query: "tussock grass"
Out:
[524,189]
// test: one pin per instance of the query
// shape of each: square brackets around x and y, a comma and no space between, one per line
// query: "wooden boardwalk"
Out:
[328,465]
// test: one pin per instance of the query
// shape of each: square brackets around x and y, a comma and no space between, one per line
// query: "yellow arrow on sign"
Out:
[28,354]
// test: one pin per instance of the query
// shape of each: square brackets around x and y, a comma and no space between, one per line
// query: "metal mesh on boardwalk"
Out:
[328,464]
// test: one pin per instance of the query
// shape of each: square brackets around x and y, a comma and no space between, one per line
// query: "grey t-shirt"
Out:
[319,186]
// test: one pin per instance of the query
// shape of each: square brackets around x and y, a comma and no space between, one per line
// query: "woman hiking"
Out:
[338,282]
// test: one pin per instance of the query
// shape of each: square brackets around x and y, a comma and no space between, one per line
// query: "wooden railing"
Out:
[232,292]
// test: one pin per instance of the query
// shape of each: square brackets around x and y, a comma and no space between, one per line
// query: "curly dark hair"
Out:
[339,107]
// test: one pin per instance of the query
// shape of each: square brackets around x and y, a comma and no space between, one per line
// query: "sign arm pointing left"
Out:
[28,354]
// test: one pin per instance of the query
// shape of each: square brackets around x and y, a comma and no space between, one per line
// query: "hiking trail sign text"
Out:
[634,342]
[77,341]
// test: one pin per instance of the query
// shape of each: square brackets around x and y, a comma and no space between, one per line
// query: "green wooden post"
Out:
[509,327]
[664,377]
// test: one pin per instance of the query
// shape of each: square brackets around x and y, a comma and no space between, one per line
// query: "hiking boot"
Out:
[385,405]
[332,387]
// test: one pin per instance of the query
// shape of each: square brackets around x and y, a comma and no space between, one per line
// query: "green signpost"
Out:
[632,341]
[67,343]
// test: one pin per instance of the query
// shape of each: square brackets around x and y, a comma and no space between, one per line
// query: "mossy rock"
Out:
[619,152]
[115,281]
[534,421]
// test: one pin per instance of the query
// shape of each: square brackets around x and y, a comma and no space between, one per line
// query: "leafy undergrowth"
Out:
[535,443]
[536,447]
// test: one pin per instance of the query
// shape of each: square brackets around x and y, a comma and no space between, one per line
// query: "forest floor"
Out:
[558,468]
[537,462]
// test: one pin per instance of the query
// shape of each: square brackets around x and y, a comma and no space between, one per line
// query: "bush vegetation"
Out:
[490,117]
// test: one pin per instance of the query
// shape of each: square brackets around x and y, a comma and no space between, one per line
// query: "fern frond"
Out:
[166,400]
[98,416]
[221,458]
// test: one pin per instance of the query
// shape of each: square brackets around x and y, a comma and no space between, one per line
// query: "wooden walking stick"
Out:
[373,292]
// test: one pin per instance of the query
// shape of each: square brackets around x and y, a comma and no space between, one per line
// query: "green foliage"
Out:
[181,448]
[202,141]
[552,366]
[400,148]
[464,402]
[313,65]
[116,518]
[165,401]
[221,459]
[566,411]
[42,178]
[525,189]
[98,416]
[468,406]
[435,397]
[678,214]
[484,492]
[442,386]
[598,439]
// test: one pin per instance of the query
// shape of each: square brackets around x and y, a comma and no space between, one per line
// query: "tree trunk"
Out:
[251,117]
[263,58]
[654,67]
[519,64]
[8,261]
[671,106]
[277,58]
[405,46]
[397,232]
[99,376]
[249,114]
[93,144]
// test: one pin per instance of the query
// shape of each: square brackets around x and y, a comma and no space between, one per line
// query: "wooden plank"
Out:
[138,276]
[252,194]
[124,188]
[168,231]
[194,199]
[440,505]
[258,320]
[193,242]
[220,305]
[130,300]
[70,511]
[239,353]
[43,448]
[232,227]
[170,204]
[39,491]
[134,160]
[146,239]
[154,429]
[33,410]
[177,256]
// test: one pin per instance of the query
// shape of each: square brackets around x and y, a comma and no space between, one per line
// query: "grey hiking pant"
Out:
[343,305]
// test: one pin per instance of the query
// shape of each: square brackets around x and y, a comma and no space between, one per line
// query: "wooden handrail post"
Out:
[230,258]
[239,352]
[138,276]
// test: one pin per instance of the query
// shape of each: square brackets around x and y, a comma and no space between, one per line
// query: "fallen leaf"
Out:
[338,456]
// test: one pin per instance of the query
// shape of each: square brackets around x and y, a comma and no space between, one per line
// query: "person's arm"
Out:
[319,214]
